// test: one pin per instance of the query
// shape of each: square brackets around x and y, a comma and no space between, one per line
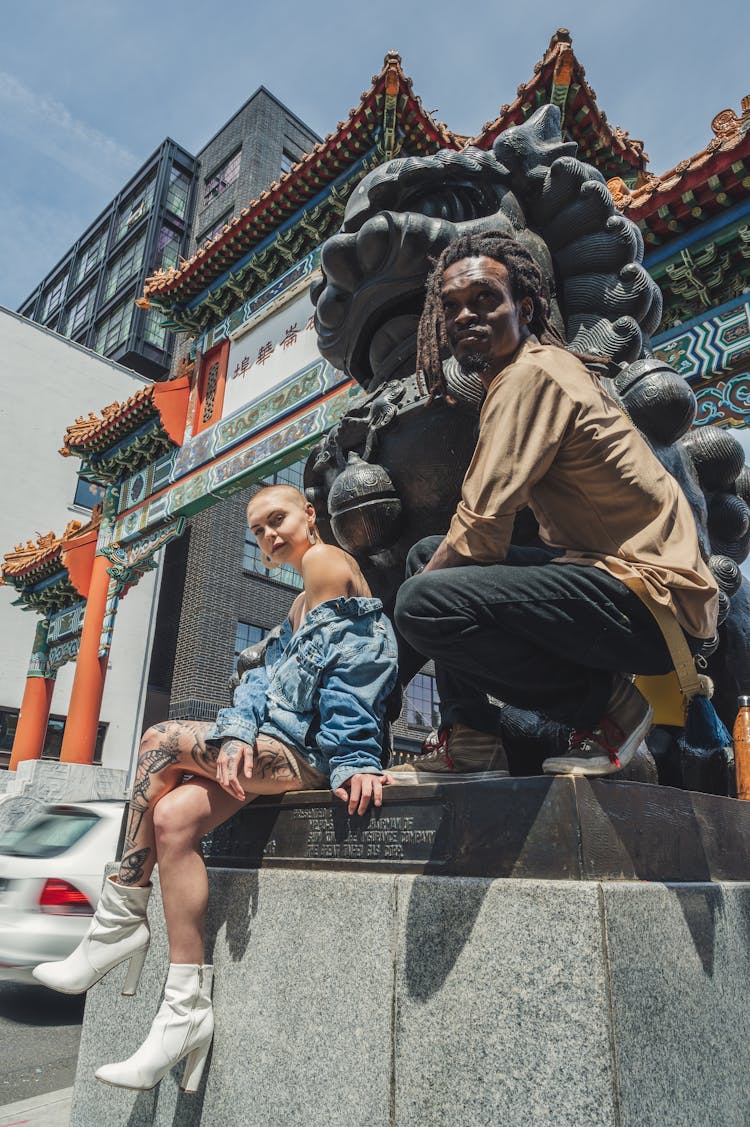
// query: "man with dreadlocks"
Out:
[556,629]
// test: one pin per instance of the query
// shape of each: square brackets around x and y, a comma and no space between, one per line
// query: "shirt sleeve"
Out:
[523,422]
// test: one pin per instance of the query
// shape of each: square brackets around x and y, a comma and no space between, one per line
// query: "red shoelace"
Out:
[608,736]
[433,746]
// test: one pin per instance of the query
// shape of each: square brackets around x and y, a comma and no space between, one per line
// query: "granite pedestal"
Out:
[36,783]
[362,988]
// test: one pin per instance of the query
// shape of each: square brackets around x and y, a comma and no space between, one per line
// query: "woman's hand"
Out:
[235,756]
[359,790]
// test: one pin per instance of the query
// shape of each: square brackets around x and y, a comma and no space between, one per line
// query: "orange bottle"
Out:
[741,740]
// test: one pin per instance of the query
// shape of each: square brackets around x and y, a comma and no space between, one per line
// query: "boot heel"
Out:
[133,976]
[194,1064]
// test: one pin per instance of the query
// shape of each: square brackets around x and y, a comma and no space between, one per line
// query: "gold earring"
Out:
[311,534]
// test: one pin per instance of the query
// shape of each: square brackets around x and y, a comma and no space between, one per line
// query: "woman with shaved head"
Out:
[311,717]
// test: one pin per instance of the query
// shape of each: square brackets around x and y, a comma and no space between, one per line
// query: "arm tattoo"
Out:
[131,866]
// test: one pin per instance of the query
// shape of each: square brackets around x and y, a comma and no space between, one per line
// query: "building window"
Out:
[90,257]
[215,228]
[153,331]
[124,267]
[178,192]
[252,559]
[88,494]
[79,313]
[247,635]
[53,740]
[219,181]
[422,702]
[168,249]
[53,297]
[287,160]
[134,208]
[115,328]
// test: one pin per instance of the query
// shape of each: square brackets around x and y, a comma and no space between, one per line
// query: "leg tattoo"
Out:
[271,762]
[165,754]
[204,756]
[131,866]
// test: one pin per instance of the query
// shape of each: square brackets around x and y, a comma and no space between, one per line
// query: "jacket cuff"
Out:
[235,729]
[339,775]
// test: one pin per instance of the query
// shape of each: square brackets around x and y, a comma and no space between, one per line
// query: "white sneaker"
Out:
[613,742]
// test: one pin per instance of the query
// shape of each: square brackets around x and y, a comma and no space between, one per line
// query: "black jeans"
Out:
[538,635]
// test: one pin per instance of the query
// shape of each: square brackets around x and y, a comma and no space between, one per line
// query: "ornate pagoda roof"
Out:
[38,571]
[560,79]
[390,116]
[138,429]
[705,184]
[390,99]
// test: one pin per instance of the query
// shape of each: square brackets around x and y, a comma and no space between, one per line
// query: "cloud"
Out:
[48,126]
[32,239]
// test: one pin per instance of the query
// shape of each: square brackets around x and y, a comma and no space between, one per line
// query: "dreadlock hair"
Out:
[524,276]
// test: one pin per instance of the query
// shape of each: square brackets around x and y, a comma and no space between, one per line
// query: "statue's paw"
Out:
[660,403]
[562,186]
[620,341]
[628,293]
[716,456]
[718,460]
[587,214]
[602,252]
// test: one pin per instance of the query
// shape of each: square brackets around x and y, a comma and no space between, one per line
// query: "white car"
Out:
[51,874]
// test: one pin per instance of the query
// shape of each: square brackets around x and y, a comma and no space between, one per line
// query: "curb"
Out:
[52,1109]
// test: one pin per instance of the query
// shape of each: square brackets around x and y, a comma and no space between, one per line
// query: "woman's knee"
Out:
[175,821]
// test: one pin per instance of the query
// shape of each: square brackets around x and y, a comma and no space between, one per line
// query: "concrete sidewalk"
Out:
[49,1110]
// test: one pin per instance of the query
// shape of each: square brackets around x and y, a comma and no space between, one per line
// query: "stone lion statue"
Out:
[390,471]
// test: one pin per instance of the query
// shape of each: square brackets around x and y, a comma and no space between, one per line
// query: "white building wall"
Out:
[46,382]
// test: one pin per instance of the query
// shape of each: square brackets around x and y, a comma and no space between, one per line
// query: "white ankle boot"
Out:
[118,931]
[183,1027]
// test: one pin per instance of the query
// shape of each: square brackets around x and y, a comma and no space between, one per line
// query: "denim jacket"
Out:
[322,690]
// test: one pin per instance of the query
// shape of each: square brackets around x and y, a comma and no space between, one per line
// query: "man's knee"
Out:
[421,553]
[412,610]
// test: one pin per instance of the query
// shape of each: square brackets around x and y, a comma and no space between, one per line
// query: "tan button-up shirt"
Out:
[550,437]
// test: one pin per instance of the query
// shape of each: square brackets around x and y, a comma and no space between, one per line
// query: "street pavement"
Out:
[49,1110]
[39,1034]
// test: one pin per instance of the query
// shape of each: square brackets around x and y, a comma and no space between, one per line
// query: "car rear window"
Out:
[50,835]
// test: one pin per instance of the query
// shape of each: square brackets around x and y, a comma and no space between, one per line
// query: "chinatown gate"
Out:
[254,394]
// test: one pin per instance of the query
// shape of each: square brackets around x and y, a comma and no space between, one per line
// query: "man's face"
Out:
[484,322]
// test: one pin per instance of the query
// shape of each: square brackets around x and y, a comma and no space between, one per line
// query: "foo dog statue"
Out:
[390,472]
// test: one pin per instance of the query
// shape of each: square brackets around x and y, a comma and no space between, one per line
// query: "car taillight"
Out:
[59,898]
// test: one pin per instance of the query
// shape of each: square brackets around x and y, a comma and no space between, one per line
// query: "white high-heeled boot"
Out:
[183,1027]
[118,931]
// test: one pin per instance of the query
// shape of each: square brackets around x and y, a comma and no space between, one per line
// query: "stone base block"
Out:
[350,999]
[36,783]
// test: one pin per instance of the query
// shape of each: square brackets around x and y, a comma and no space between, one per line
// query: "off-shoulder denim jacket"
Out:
[322,689]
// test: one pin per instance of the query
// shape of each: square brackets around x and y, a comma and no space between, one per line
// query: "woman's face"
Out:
[279,518]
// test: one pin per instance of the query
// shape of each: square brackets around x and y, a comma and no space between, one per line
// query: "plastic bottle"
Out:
[741,740]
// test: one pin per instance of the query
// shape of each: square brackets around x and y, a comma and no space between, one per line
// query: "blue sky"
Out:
[89,88]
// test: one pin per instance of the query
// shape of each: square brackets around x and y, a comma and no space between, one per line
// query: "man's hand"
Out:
[444,557]
[359,790]
[235,756]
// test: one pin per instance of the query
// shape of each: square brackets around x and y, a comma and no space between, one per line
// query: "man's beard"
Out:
[474,364]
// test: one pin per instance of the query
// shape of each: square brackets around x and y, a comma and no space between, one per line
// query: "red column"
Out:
[31,730]
[79,738]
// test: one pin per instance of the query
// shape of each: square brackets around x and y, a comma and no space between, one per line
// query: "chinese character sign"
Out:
[270,352]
